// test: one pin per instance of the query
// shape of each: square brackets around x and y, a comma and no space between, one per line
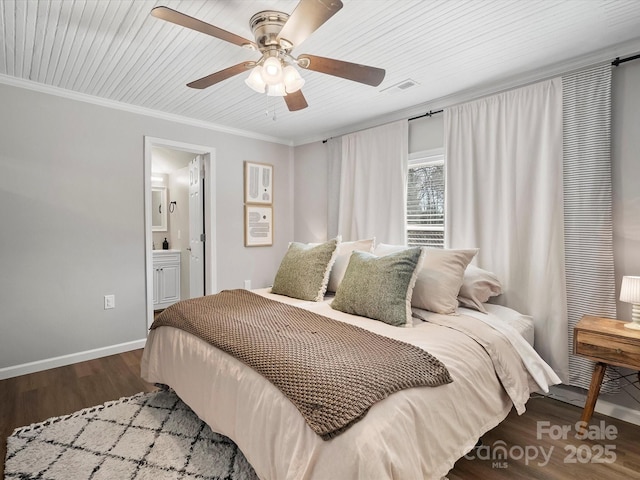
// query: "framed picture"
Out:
[258,225]
[258,183]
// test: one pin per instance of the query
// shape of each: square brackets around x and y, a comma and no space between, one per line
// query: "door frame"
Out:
[209,163]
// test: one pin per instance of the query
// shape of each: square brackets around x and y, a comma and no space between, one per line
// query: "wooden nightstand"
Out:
[606,342]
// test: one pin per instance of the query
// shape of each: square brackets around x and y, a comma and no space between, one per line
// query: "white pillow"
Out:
[439,279]
[478,286]
[343,254]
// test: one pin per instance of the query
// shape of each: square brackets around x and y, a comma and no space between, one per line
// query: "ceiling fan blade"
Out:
[295,101]
[351,71]
[217,77]
[173,16]
[307,17]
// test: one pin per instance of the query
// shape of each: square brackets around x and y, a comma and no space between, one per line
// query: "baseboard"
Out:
[47,363]
[578,397]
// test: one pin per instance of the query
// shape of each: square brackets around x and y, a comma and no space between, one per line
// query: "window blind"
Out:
[425,200]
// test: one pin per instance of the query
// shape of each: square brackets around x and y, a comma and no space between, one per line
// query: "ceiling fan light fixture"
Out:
[276,33]
[255,81]
[272,71]
[276,90]
[292,79]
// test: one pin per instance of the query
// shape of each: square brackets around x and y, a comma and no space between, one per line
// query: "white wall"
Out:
[626,196]
[626,174]
[310,192]
[426,133]
[72,221]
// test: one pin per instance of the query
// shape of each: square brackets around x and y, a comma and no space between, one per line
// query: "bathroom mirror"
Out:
[158,209]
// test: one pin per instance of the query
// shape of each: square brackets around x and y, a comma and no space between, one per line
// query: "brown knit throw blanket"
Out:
[331,371]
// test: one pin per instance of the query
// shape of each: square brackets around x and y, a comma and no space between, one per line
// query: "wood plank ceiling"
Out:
[115,50]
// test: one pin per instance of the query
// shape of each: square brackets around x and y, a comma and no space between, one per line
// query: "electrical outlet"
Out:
[247,284]
[109,301]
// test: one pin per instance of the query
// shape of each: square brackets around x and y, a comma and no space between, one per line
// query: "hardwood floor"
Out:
[60,391]
[569,457]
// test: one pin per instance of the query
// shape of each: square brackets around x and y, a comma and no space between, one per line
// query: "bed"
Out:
[413,433]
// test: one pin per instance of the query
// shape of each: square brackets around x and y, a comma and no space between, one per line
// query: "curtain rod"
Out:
[430,113]
[619,60]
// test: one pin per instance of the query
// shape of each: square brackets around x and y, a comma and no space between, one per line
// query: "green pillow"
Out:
[304,271]
[380,287]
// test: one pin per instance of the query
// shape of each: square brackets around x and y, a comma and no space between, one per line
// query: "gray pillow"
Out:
[380,287]
[304,271]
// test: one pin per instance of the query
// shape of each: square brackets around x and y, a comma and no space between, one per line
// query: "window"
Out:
[425,199]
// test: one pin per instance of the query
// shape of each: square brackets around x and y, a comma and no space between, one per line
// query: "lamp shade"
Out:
[272,71]
[255,81]
[276,90]
[630,289]
[292,79]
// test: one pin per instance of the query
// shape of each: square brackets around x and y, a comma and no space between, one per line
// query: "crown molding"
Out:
[104,102]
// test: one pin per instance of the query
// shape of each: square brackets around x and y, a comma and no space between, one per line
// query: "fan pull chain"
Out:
[266,113]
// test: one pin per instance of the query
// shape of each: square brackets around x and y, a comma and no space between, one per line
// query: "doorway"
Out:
[190,171]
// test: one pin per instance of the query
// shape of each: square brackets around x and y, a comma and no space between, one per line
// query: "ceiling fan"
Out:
[276,35]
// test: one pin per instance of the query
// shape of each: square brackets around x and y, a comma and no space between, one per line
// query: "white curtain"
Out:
[371,195]
[334,167]
[504,195]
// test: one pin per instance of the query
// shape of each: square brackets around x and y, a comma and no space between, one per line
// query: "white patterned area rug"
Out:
[147,436]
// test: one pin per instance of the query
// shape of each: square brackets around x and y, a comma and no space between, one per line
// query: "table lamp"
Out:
[630,293]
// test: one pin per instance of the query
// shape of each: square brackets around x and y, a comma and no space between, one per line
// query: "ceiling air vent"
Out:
[400,86]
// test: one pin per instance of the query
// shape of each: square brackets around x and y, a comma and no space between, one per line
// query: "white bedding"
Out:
[523,324]
[414,433]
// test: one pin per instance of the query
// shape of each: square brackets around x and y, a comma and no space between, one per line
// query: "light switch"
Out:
[109,301]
